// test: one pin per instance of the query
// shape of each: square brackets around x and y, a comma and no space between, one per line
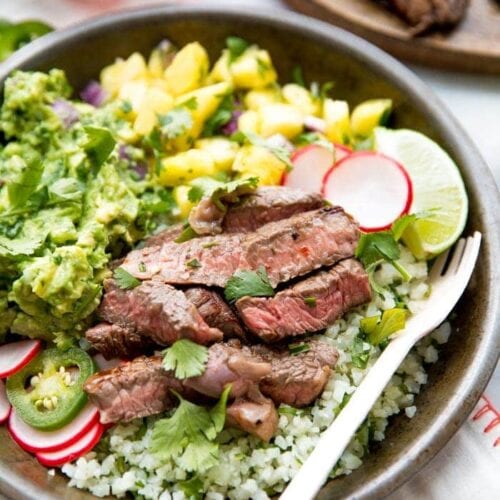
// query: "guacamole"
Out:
[72,196]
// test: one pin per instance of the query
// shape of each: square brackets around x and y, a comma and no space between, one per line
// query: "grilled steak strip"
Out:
[286,249]
[309,305]
[113,341]
[157,311]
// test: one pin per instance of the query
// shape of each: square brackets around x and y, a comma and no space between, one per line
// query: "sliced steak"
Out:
[286,249]
[113,341]
[157,311]
[165,236]
[215,311]
[309,305]
[297,380]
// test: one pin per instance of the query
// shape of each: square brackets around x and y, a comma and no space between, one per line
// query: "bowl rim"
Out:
[478,373]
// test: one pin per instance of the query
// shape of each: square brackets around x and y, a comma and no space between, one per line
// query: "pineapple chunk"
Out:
[188,69]
[302,99]
[223,151]
[255,99]
[281,119]
[205,102]
[155,102]
[221,71]
[186,166]
[122,71]
[134,92]
[253,69]
[180,194]
[249,121]
[257,161]
[337,124]
[369,114]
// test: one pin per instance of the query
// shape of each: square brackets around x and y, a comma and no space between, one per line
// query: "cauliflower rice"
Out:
[249,468]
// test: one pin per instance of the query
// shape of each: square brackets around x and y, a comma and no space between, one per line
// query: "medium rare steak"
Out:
[113,341]
[297,380]
[286,249]
[215,311]
[155,310]
[309,305]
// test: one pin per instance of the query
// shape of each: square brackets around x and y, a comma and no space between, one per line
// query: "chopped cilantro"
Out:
[313,138]
[193,263]
[192,488]
[248,283]
[124,279]
[298,347]
[379,329]
[298,76]
[210,244]
[189,434]
[25,180]
[359,357]
[99,146]
[126,107]
[262,67]
[175,123]
[187,234]
[287,410]
[142,267]
[236,47]
[222,115]
[280,153]
[320,92]
[310,301]
[186,358]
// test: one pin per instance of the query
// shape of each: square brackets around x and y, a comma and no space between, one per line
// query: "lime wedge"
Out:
[438,190]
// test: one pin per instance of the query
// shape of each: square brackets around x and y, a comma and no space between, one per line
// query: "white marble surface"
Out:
[467,468]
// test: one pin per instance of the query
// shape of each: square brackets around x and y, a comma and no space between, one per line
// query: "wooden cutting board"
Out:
[473,46]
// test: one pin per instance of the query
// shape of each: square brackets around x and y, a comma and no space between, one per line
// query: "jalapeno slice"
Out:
[48,392]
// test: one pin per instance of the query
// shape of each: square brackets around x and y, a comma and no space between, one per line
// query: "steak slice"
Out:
[157,311]
[113,341]
[296,380]
[309,305]
[215,311]
[286,249]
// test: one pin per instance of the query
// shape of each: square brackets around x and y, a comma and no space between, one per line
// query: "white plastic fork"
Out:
[447,285]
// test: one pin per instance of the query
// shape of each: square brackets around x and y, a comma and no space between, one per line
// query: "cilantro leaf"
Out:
[222,115]
[399,226]
[359,357]
[124,279]
[280,153]
[298,347]
[99,146]
[193,263]
[320,92]
[25,180]
[185,358]
[187,234]
[14,36]
[189,434]
[192,488]
[298,76]
[379,328]
[310,301]
[175,123]
[236,47]
[248,283]
[314,138]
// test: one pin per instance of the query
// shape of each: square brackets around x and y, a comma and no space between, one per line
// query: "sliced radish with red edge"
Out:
[16,355]
[105,364]
[34,440]
[73,451]
[310,164]
[341,152]
[4,404]
[373,188]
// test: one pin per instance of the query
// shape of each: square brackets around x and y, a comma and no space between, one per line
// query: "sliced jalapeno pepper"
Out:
[48,392]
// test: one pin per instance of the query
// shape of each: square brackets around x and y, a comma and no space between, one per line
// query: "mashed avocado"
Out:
[70,200]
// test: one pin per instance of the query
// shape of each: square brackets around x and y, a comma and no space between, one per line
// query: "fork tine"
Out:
[438,266]
[456,257]
[470,255]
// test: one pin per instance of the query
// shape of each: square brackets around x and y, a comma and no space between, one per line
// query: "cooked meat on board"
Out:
[424,15]
[309,305]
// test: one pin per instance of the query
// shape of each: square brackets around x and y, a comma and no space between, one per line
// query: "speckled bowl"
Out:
[360,71]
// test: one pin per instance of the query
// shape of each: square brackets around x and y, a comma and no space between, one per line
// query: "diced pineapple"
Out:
[369,114]
[255,99]
[253,69]
[221,72]
[134,92]
[249,121]
[180,194]
[337,124]
[122,71]
[223,151]
[186,166]
[257,161]
[188,69]
[205,102]
[281,119]
[302,99]
[155,102]
[156,66]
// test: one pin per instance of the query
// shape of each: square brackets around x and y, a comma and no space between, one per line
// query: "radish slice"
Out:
[105,364]
[341,152]
[73,451]
[310,164]
[15,355]
[373,188]
[4,404]
[34,440]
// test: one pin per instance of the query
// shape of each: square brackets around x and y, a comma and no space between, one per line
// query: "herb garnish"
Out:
[186,358]
[193,263]
[310,301]
[248,283]
[298,76]
[14,35]
[380,328]
[236,47]
[124,279]
[298,347]
[142,267]
[99,146]
[222,115]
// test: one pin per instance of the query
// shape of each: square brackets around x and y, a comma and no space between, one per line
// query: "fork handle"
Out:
[316,469]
